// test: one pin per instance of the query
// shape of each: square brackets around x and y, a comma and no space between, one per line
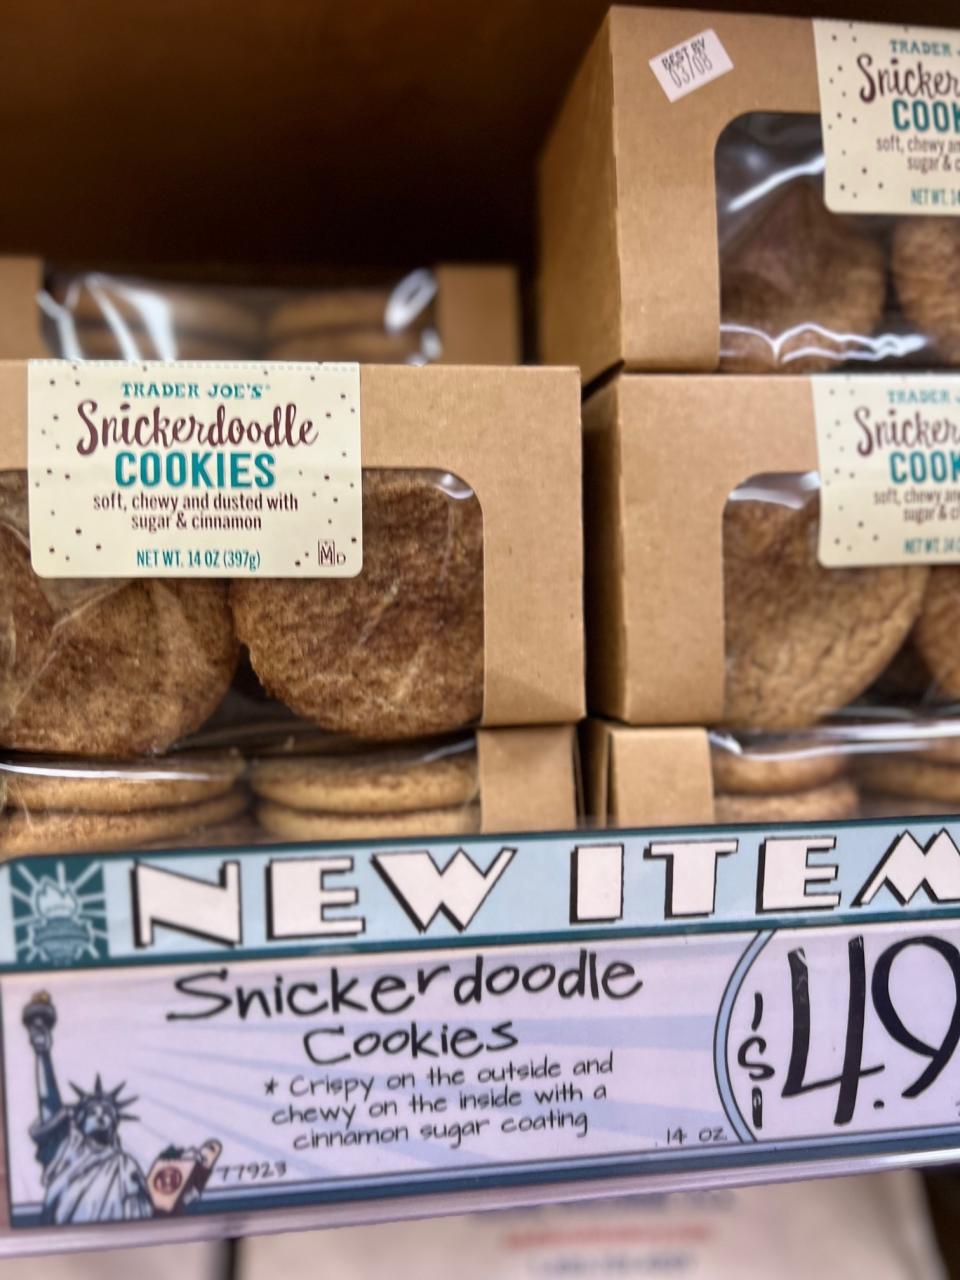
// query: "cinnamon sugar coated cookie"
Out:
[299,824]
[904,774]
[133,670]
[834,802]
[67,831]
[26,620]
[801,290]
[925,264]
[893,806]
[397,651]
[327,310]
[109,667]
[359,784]
[938,627]
[760,772]
[241,830]
[39,783]
[801,640]
[946,749]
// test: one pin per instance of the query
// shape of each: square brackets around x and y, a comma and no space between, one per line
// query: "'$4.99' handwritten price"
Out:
[850,1035]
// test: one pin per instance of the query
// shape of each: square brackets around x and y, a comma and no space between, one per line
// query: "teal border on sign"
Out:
[860,846]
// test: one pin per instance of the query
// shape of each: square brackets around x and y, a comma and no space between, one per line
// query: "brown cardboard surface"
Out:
[527,778]
[647,777]
[604,579]
[578,288]
[514,436]
[20,281]
[595,759]
[478,314]
[662,456]
[629,264]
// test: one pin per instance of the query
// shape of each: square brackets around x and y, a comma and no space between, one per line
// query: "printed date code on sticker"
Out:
[691,65]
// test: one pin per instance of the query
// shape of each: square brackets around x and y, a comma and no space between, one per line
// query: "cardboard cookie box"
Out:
[469,561]
[449,314]
[684,193]
[896,766]
[746,572]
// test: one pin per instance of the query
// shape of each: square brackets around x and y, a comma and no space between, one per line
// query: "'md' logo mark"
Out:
[58,919]
[328,554]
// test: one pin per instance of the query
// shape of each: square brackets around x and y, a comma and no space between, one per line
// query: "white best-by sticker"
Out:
[194,470]
[690,65]
[889,451]
[890,109]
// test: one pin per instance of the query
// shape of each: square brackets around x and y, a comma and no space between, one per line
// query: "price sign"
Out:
[844,1032]
[255,1030]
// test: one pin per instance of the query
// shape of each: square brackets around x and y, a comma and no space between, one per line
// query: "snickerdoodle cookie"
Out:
[802,640]
[801,290]
[397,651]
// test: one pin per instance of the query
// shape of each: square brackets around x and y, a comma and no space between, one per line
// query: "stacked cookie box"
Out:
[743,663]
[448,313]
[415,698]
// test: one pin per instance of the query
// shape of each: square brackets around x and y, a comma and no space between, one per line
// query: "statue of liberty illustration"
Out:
[87,1175]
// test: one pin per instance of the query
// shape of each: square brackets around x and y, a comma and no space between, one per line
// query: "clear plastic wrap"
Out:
[866,764]
[802,640]
[368,317]
[292,786]
[55,805]
[804,290]
[121,668]
[288,784]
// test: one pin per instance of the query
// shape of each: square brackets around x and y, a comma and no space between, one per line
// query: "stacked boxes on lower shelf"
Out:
[772,523]
[141,709]
[449,314]
[738,204]
[896,767]
[754,632]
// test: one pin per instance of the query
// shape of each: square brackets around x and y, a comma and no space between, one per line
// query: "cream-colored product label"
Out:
[889,450]
[194,469]
[890,107]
